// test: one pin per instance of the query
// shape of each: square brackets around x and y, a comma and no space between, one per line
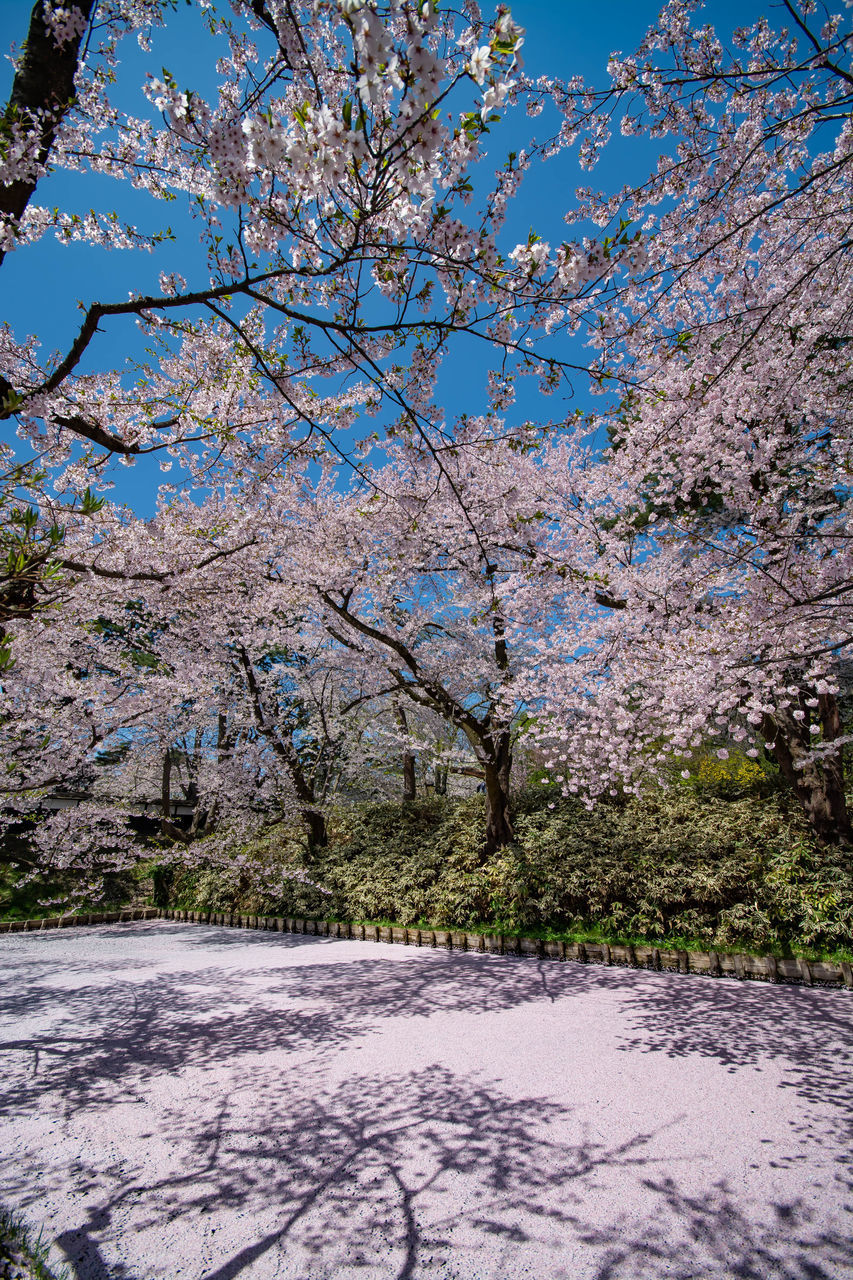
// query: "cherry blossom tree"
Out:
[203,687]
[721,521]
[422,573]
[692,580]
[345,244]
[328,177]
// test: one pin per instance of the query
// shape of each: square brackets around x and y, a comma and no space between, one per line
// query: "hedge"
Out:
[699,869]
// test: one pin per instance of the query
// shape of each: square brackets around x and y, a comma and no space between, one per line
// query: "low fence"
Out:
[717,964]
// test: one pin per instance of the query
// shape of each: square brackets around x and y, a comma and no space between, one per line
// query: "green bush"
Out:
[716,871]
[24,899]
[701,868]
[733,777]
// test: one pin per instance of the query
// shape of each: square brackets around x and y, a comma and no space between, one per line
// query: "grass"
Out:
[20,1249]
[595,934]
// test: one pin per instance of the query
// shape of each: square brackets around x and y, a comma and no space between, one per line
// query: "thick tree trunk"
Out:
[497,758]
[817,784]
[497,767]
[409,780]
[315,824]
[312,817]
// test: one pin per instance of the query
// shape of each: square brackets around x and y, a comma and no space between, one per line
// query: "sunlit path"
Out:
[188,1101]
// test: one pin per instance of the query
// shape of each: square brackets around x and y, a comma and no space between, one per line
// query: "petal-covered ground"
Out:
[190,1101]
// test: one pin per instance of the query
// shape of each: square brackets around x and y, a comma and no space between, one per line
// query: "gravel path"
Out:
[196,1102]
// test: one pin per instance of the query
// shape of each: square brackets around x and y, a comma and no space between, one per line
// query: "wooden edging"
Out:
[718,964]
[92,917]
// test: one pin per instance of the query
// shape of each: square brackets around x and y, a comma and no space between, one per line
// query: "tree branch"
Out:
[42,95]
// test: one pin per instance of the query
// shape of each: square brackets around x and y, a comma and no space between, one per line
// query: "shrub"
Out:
[706,869]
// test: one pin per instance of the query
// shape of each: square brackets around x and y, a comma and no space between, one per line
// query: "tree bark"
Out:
[409,780]
[282,745]
[817,784]
[495,758]
[315,824]
[42,93]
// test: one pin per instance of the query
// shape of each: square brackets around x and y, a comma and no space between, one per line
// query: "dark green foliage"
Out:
[25,899]
[23,1255]
[20,899]
[163,882]
[712,870]
[702,868]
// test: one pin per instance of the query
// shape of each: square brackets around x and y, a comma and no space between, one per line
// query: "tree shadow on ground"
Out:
[133,1018]
[807,1033]
[711,1235]
[90,1042]
[412,1176]
[420,1176]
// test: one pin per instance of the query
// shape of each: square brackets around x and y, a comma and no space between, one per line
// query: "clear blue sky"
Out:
[41,285]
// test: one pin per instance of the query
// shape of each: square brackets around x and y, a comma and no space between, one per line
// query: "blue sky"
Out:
[42,285]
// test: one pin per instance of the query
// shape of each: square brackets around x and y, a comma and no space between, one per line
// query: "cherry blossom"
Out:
[324,589]
[719,524]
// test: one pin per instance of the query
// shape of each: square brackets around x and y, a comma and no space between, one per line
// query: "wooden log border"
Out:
[716,964]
